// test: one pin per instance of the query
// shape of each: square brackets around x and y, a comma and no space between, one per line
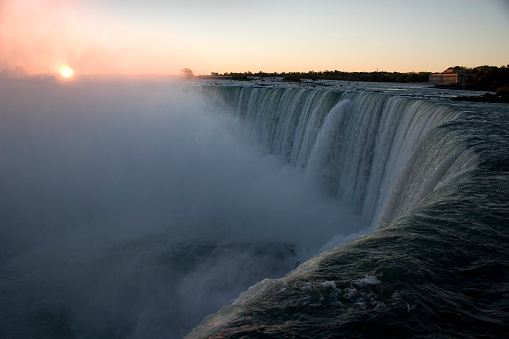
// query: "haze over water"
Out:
[141,199]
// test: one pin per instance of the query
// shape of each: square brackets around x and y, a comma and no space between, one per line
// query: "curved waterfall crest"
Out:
[359,143]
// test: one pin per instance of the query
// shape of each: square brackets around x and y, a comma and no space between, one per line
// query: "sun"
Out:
[66,72]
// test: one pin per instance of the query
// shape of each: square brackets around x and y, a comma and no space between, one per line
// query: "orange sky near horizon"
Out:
[162,37]
[43,36]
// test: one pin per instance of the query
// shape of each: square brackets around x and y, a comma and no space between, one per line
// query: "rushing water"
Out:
[134,208]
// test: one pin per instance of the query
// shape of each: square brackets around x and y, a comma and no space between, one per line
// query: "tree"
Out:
[186,73]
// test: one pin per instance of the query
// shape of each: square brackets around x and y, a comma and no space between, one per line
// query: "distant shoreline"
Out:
[480,78]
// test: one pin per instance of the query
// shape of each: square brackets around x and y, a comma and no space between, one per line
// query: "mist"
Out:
[133,208]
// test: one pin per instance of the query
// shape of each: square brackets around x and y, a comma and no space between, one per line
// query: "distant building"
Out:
[214,74]
[453,77]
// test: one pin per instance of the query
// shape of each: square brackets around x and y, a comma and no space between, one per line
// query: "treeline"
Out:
[486,78]
[338,75]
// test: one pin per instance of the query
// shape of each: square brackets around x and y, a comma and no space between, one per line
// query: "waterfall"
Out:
[358,143]
[151,199]
[431,182]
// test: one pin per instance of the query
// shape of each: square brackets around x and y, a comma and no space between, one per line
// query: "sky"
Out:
[164,36]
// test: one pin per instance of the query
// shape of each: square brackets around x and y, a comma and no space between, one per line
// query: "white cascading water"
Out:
[359,143]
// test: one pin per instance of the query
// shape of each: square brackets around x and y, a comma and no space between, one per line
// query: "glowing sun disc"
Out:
[66,72]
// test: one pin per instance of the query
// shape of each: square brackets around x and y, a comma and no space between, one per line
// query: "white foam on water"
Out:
[367,280]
